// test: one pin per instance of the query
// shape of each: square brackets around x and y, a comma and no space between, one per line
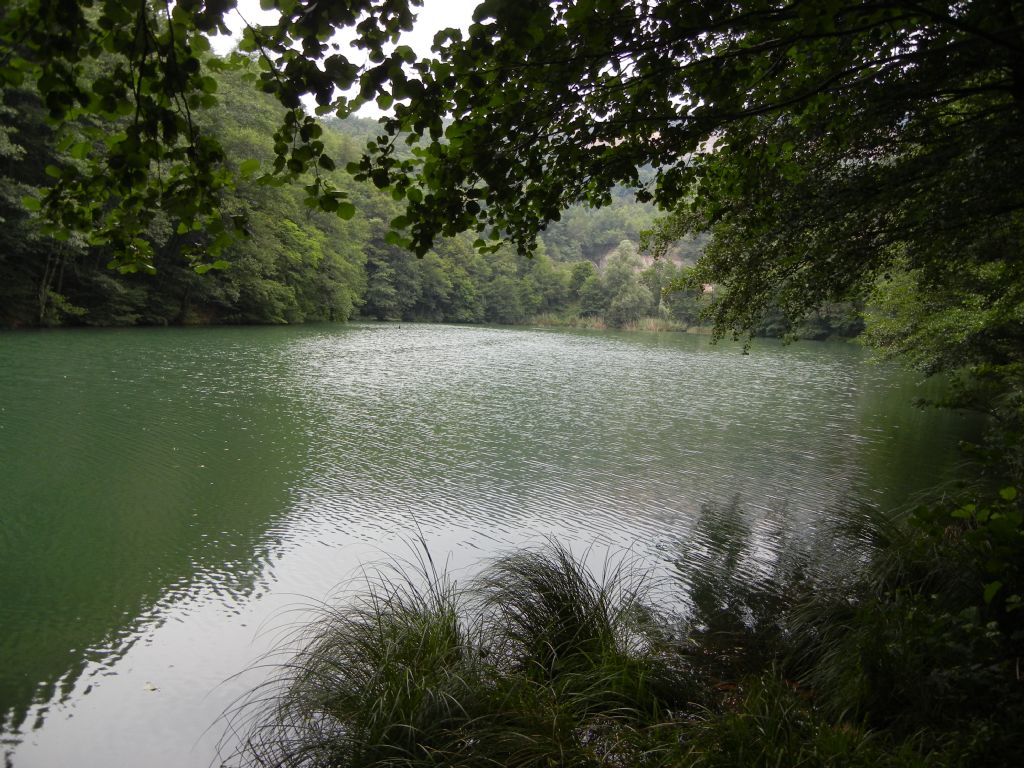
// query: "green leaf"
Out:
[248,42]
[1009,493]
[991,589]
[963,513]
[31,203]
[346,210]
[249,167]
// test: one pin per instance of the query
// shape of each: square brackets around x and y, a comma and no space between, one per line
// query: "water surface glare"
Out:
[168,495]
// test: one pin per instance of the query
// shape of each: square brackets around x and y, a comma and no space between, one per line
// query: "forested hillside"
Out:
[300,264]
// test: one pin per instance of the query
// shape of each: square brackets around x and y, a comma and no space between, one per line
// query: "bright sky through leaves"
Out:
[434,16]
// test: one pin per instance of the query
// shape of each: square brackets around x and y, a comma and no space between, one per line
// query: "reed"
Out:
[654,325]
[566,320]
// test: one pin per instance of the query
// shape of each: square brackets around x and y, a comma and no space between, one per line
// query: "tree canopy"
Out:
[825,144]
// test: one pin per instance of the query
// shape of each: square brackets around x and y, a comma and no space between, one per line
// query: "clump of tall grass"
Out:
[389,677]
[593,639]
[552,613]
[536,661]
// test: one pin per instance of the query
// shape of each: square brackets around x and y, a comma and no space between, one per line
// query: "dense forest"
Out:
[297,264]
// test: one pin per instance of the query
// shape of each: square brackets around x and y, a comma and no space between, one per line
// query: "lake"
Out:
[173,501]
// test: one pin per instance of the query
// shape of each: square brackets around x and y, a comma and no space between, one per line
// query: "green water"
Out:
[165,494]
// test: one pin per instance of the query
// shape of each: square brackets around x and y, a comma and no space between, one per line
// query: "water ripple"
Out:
[168,490]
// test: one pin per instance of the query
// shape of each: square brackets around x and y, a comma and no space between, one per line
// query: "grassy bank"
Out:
[911,659]
[593,322]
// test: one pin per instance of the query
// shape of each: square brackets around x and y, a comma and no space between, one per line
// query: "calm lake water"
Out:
[173,500]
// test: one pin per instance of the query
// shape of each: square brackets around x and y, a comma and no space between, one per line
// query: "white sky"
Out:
[434,16]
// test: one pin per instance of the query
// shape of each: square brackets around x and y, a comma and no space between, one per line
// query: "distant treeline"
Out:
[302,265]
